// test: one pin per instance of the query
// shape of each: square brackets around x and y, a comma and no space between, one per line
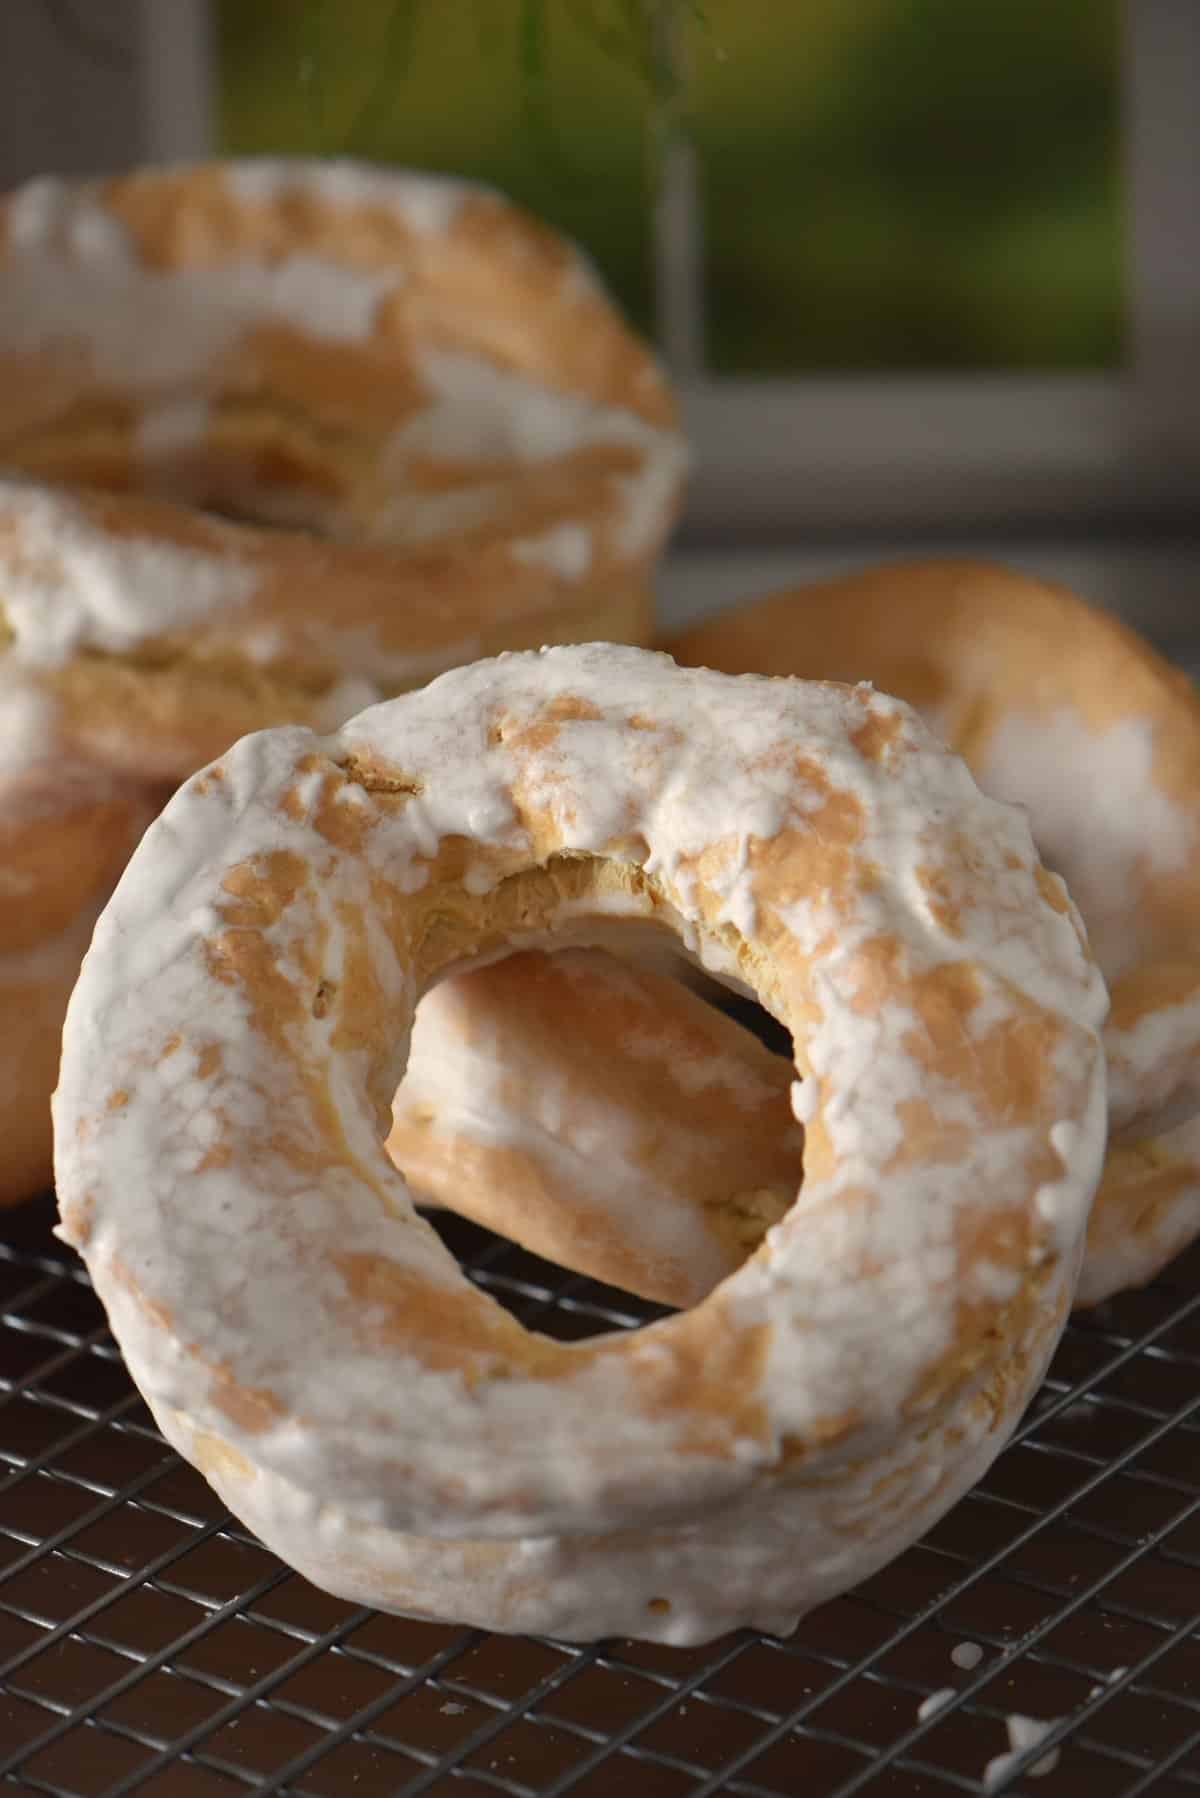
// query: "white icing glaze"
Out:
[416,516]
[426,203]
[69,586]
[966,1655]
[1153,1068]
[648,494]
[176,424]
[803,1095]
[27,720]
[859,1296]
[482,413]
[1100,817]
[77,278]
[1119,1255]
[582,280]
[737,1566]
[477,412]
[1024,1733]
[936,1701]
[345,700]
[698,1077]
[566,550]
[361,654]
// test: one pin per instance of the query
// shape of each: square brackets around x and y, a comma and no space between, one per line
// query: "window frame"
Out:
[177,41]
[865,454]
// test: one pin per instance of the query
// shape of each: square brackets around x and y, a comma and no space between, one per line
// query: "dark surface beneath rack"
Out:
[149,1645]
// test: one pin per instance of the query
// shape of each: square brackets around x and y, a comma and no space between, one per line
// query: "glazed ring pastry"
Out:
[240,1028]
[1063,710]
[437,434]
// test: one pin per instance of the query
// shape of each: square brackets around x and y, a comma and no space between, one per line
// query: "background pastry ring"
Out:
[436,435]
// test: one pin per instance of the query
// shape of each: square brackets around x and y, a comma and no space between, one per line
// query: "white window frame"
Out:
[837,454]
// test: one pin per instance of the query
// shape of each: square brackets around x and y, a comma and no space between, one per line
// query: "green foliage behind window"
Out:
[885,184]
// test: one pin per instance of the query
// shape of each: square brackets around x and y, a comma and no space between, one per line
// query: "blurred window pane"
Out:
[883,184]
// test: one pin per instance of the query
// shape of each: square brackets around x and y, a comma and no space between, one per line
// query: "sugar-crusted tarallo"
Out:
[281,438]
[241,1025]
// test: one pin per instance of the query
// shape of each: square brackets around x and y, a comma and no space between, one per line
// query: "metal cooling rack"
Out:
[148,1645]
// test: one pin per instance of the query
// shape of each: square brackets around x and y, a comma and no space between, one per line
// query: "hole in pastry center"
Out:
[601,1143]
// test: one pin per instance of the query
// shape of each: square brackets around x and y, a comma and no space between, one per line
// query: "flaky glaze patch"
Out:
[897,1315]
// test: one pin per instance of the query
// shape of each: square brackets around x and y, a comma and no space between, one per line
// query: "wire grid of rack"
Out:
[149,1645]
